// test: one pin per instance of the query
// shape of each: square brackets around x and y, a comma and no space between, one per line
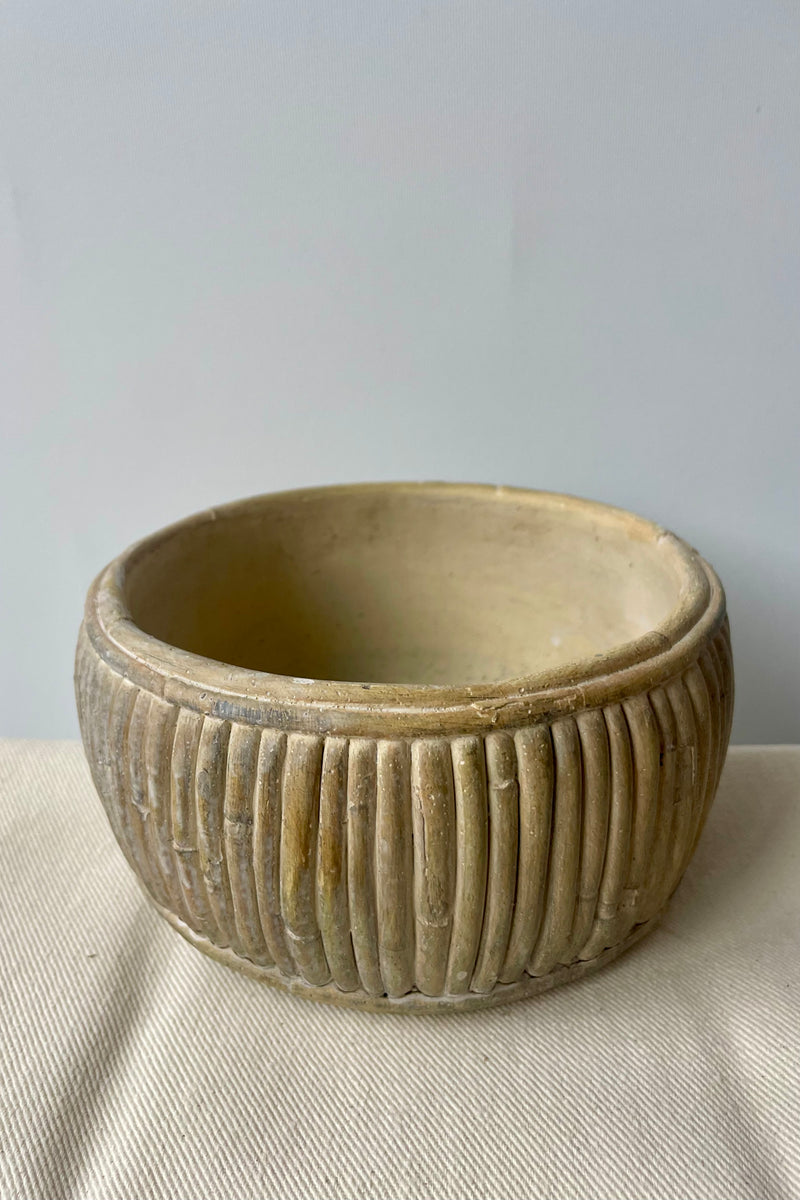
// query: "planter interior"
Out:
[407,585]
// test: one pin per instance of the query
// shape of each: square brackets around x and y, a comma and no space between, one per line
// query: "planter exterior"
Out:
[409,848]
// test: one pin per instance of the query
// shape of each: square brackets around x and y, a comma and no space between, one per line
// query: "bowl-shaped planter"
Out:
[505,799]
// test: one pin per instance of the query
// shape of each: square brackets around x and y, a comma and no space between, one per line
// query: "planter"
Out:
[503,796]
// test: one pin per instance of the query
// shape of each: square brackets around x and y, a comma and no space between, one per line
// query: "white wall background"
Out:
[248,246]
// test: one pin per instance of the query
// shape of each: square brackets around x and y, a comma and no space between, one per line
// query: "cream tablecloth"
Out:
[132,1066]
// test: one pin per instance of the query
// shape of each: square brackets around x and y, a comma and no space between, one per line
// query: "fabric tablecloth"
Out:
[133,1066]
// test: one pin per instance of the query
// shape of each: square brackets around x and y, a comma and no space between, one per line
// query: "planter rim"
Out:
[332,706]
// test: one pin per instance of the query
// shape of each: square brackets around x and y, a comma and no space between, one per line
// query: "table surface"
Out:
[133,1066]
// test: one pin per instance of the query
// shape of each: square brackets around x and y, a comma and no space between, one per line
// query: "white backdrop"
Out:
[248,246]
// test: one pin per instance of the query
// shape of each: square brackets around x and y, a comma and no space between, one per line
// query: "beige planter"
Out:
[505,800]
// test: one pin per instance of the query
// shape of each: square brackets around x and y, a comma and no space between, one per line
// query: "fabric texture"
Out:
[133,1066]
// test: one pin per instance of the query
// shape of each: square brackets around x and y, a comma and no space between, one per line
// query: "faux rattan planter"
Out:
[506,798]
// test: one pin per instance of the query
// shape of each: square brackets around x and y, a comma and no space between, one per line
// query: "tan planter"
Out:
[505,800]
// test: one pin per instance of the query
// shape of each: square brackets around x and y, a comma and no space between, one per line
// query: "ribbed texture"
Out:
[444,865]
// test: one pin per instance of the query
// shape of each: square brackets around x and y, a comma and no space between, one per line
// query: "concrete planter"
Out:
[425,837]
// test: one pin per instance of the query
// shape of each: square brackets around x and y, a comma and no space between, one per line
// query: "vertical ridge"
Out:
[209,797]
[723,644]
[333,913]
[183,817]
[158,744]
[536,781]
[618,845]
[699,697]
[118,722]
[503,793]
[242,765]
[362,786]
[645,748]
[433,815]
[718,667]
[267,822]
[137,809]
[84,678]
[669,799]
[710,671]
[564,858]
[686,789]
[596,759]
[104,685]
[394,868]
[472,845]
[298,868]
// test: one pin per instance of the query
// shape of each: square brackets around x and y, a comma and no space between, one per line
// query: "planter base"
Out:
[412,1002]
